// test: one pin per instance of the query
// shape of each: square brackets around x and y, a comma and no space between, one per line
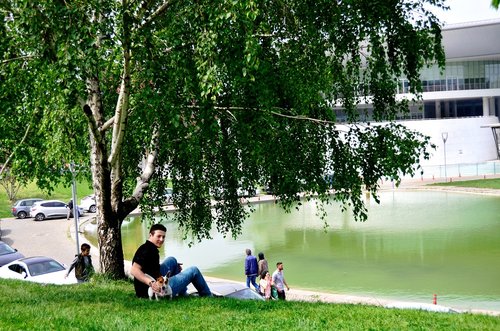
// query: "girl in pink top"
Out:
[265,285]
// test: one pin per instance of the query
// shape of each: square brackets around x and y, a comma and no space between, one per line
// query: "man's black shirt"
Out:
[148,257]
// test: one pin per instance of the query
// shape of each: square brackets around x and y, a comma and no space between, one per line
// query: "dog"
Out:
[165,289]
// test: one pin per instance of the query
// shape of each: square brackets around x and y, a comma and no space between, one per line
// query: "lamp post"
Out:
[459,161]
[444,135]
[75,206]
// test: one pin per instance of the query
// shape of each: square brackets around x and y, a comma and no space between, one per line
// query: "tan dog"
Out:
[165,289]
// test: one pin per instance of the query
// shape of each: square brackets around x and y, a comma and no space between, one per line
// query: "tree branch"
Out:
[131,203]
[92,123]
[106,125]
[110,121]
[26,57]
[303,118]
[92,108]
[4,166]
[296,117]
[121,110]
[149,166]
[160,10]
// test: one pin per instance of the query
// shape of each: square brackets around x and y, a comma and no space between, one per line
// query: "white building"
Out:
[462,102]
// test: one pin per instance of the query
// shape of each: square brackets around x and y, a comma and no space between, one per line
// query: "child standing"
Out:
[82,264]
[265,285]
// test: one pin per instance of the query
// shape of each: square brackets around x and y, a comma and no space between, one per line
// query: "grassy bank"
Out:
[108,305]
[60,192]
[493,183]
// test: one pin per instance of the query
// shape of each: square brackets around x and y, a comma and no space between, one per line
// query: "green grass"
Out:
[112,305]
[31,191]
[493,183]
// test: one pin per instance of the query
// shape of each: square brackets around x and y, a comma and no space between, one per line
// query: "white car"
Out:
[88,203]
[38,269]
[50,209]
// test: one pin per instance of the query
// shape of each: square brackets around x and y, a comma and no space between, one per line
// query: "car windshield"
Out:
[6,249]
[44,267]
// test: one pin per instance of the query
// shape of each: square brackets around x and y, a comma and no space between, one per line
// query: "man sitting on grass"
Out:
[146,264]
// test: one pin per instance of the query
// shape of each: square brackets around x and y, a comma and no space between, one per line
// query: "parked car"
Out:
[38,269]
[8,254]
[88,203]
[50,209]
[229,290]
[21,208]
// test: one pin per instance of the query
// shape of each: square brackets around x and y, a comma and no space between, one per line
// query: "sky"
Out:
[462,11]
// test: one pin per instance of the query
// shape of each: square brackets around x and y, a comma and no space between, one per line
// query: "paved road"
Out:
[54,238]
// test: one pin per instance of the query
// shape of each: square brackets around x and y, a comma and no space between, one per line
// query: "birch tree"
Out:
[211,97]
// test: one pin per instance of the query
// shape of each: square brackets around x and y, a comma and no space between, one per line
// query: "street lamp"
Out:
[444,135]
[459,161]
[75,206]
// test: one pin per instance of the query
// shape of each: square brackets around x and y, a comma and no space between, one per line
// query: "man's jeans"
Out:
[251,279]
[179,281]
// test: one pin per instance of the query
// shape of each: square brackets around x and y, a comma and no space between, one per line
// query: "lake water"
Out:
[413,245]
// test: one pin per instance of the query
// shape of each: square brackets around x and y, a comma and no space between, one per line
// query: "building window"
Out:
[463,75]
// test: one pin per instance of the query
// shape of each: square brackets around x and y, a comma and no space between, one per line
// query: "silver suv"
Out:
[51,209]
[21,208]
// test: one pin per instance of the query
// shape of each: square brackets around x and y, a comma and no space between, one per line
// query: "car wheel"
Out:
[92,209]
[21,214]
[39,217]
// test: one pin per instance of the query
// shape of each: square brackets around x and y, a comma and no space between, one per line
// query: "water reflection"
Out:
[413,245]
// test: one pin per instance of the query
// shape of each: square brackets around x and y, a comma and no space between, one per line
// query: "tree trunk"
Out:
[108,223]
[110,248]
[109,218]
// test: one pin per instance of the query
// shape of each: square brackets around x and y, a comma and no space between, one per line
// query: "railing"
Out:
[460,170]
